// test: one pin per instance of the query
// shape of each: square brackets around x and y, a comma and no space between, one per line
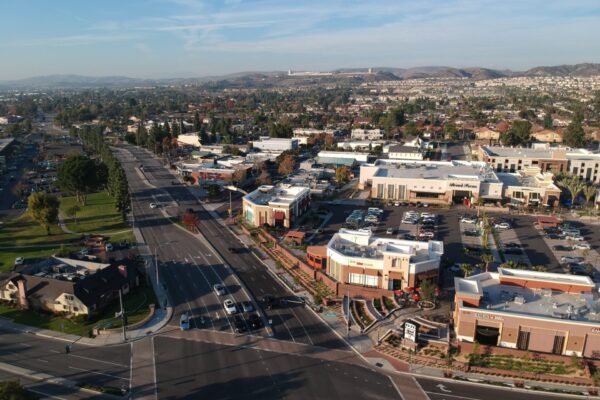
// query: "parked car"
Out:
[468,220]
[502,225]
[426,235]
[554,236]
[582,246]
[153,205]
[561,247]
[574,238]
[512,245]
[247,306]
[408,236]
[254,321]
[471,232]
[239,324]
[108,247]
[219,289]
[390,231]
[19,261]
[571,259]
[184,322]
[229,306]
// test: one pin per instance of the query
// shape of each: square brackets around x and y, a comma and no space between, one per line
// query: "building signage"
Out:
[411,331]
[462,185]
[595,330]
[488,316]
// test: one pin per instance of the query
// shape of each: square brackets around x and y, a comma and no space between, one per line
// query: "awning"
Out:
[279,215]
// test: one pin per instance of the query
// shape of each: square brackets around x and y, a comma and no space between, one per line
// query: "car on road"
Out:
[19,261]
[109,247]
[219,289]
[184,322]
[390,231]
[239,324]
[254,321]
[247,306]
[468,220]
[397,204]
[270,301]
[153,205]
[471,232]
[582,246]
[229,306]
[571,259]
[502,225]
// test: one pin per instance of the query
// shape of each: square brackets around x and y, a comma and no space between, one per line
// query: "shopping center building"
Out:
[277,206]
[528,310]
[359,258]
[440,182]
[514,159]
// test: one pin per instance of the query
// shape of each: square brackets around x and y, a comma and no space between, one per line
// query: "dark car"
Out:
[560,247]
[553,236]
[270,301]
[254,321]
[471,232]
[408,236]
[239,324]
[512,245]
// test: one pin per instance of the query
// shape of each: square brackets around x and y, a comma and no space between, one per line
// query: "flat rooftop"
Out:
[4,143]
[441,170]
[524,180]
[495,296]
[285,194]
[519,152]
[363,245]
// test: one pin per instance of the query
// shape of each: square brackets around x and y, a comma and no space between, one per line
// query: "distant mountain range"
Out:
[275,78]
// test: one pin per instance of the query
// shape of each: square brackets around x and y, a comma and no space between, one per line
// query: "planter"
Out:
[425,305]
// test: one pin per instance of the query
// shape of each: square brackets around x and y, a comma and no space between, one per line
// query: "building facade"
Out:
[268,144]
[366,134]
[528,310]
[434,182]
[513,159]
[278,206]
[358,258]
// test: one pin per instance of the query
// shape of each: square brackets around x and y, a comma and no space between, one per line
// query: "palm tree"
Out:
[572,184]
[589,191]
[467,269]
[487,259]
[539,268]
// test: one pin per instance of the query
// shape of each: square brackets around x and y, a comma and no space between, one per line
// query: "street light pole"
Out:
[123,319]
[156,265]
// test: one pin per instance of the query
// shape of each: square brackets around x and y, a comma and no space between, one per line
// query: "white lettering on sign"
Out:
[595,330]
[488,316]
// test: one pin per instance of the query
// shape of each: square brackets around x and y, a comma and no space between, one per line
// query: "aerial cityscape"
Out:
[252,199]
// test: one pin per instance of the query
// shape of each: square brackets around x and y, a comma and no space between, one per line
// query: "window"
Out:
[75,308]
[518,195]
[370,281]
[380,191]
[65,307]
[356,279]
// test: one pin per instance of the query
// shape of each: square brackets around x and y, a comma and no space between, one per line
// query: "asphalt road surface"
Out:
[195,370]
[189,268]
[102,366]
[437,390]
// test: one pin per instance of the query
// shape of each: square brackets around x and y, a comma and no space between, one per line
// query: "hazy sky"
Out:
[183,38]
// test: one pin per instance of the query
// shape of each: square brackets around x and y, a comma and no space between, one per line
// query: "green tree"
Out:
[574,136]
[589,192]
[78,175]
[213,190]
[450,131]
[12,390]
[519,134]
[43,208]
[342,175]
[487,260]
[410,129]
[197,123]
[467,269]
[427,288]
[548,124]
[287,165]
[572,184]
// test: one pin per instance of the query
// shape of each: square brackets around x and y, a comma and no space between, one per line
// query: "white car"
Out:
[571,259]
[468,220]
[229,306]
[19,261]
[365,230]
[153,205]
[219,289]
[582,246]
[390,231]
[502,225]
[184,322]
[575,238]
[427,215]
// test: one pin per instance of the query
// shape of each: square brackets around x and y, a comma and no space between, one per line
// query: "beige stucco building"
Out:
[358,258]
[275,205]
[528,310]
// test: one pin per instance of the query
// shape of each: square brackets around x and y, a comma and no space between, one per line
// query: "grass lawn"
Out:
[135,304]
[98,216]
[7,257]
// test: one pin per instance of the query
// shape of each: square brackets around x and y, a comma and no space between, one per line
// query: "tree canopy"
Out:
[519,134]
[43,208]
[81,175]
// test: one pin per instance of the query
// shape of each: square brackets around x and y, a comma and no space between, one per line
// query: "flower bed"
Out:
[388,303]
[378,306]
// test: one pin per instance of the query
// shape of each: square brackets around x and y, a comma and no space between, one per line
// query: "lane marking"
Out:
[451,395]
[41,360]
[101,361]
[98,373]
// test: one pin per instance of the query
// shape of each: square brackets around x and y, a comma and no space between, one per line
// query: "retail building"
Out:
[277,206]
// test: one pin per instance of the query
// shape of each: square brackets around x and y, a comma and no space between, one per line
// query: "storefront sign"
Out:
[488,316]
[462,185]
[411,331]
[595,330]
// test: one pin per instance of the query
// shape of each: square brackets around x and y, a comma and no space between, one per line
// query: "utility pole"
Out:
[156,265]
[123,319]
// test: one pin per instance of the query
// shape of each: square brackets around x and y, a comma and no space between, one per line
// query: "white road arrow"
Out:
[443,388]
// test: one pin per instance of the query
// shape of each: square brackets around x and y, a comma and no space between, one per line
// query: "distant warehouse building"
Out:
[278,206]
[529,311]
[434,182]
[358,258]
[268,144]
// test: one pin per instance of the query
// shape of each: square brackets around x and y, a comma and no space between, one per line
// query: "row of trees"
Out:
[115,178]
[576,186]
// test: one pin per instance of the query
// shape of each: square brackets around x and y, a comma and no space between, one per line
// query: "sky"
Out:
[194,38]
